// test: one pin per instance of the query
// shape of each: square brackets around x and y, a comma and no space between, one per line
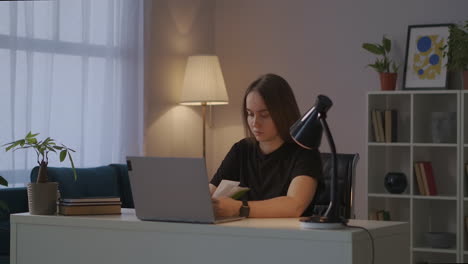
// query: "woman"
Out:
[281,175]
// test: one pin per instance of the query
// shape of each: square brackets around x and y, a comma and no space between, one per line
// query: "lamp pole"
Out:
[204,128]
[332,212]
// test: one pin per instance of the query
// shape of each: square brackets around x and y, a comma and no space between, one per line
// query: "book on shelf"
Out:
[384,125]
[424,178]
[380,127]
[391,122]
[430,178]
[375,126]
[419,180]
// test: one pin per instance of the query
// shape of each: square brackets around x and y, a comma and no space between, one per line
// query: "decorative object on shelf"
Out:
[42,195]
[444,127]
[425,65]
[440,239]
[386,68]
[456,50]
[395,182]
[203,85]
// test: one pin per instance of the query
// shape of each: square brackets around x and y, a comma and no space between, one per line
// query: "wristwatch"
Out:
[244,210]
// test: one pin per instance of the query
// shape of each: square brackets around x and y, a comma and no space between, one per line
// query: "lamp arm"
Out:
[333,208]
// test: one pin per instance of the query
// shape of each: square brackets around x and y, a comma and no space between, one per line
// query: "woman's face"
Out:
[258,117]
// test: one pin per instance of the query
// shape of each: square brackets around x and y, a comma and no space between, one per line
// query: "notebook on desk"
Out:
[171,189]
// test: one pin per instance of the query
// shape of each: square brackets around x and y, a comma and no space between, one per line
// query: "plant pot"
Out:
[388,81]
[42,198]
[465,80]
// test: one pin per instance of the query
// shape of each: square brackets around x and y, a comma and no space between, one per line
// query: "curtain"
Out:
[71,70]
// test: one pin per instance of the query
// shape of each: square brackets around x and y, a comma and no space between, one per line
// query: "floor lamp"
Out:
[203,85]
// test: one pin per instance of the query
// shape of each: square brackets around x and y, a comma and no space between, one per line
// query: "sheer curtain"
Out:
[71,70]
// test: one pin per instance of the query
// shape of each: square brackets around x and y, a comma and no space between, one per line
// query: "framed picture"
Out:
[425,65]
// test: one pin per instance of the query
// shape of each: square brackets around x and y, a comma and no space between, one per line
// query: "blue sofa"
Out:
[111,180]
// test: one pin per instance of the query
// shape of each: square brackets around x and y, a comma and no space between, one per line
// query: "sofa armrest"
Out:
[16,198]
[124,185]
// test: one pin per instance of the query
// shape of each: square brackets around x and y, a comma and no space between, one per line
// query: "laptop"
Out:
[172,189]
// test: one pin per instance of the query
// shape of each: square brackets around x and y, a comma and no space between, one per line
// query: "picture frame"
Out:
[425,66]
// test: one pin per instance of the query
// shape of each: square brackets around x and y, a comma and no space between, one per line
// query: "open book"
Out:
[231,189]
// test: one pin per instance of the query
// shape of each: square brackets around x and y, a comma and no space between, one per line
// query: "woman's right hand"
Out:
[225,206]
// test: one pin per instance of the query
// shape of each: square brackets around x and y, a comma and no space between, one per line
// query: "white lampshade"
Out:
[203,82]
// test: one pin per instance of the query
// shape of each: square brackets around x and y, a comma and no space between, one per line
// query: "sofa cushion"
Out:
[97,181]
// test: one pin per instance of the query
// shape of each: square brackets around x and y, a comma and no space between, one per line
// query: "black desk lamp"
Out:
[307,132]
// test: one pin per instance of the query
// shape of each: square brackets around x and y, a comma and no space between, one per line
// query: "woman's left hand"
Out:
[225,206]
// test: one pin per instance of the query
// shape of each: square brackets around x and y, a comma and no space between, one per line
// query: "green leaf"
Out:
[57,147]
[387,44]
[41,151]
[31,140]
[373,48]
[12,145]
[63,155]
[73,166]
[3,181]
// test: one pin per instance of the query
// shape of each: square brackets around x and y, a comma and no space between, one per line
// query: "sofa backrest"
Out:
[109,180]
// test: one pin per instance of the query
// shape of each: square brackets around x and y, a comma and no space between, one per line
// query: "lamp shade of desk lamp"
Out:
[307,132]
[203,85]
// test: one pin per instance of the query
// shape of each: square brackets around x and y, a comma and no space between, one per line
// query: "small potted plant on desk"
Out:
[386,68]
[457,50]
[42,195]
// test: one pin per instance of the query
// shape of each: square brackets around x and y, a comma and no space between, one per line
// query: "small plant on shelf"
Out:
[385,66]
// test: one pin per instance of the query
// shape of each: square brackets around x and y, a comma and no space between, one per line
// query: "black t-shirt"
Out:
[267,176]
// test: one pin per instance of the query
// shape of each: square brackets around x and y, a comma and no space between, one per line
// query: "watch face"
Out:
[244,211]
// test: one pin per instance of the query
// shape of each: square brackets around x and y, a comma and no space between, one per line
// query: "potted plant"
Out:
[386,68]
[457,50]
[42,195]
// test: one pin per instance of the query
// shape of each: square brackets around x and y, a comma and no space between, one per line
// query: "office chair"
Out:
[346,173]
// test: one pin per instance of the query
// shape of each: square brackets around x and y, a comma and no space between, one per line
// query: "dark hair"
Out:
[279,100]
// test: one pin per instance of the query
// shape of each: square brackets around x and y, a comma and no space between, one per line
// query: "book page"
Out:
[227,188]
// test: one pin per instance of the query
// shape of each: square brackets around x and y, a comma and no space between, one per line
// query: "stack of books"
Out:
[89,206]
[425,178]
[384,125]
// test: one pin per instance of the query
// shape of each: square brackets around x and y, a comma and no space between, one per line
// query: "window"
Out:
[71,70]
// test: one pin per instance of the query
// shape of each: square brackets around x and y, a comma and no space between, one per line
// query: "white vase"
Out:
[444,127]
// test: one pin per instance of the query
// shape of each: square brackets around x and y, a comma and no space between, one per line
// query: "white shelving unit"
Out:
[415,142]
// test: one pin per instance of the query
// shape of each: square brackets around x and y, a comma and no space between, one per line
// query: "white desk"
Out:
[123,238]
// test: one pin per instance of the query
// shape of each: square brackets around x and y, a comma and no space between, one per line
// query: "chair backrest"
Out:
[346,174]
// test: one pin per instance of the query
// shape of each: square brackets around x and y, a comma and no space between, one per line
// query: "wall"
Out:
[178,28]
[316,46]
